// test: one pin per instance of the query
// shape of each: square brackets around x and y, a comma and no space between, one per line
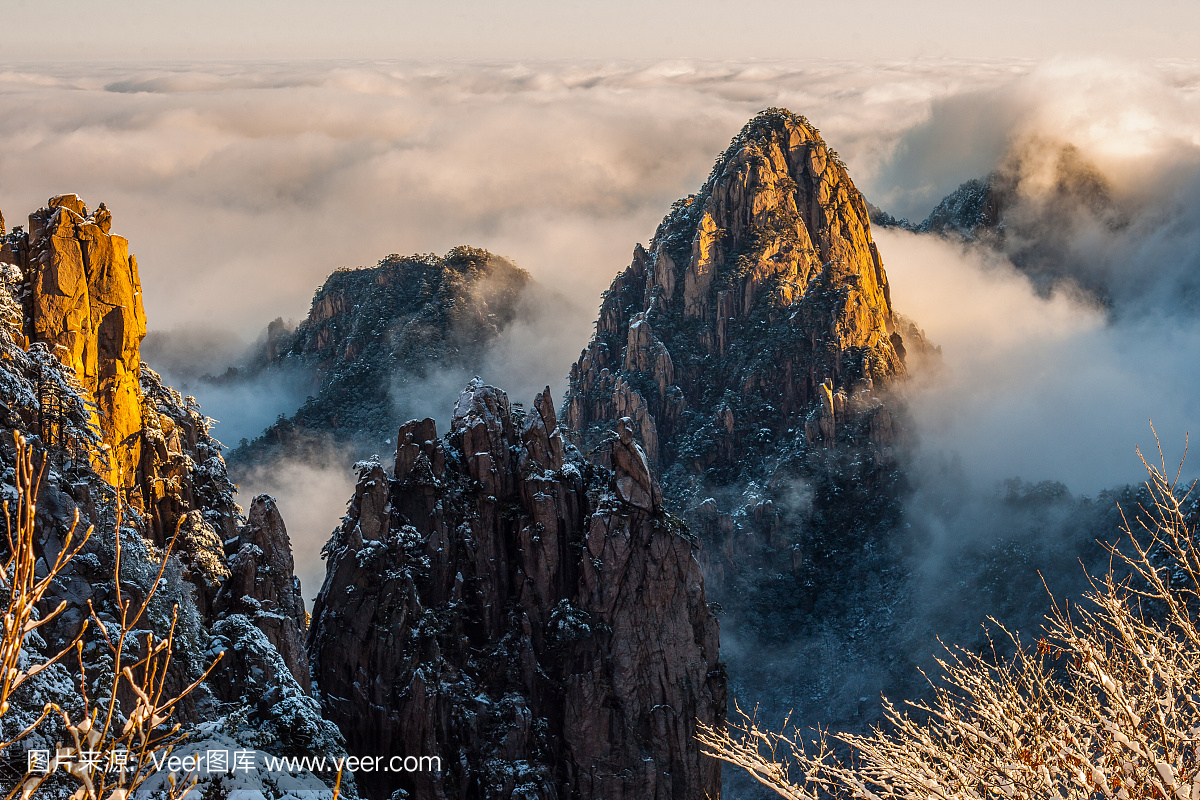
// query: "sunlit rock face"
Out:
[760,309]
[118,451]
[753,348]
[86,303]
[534,619]
[82,301]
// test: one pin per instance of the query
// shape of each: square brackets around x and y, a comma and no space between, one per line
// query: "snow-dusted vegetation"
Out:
[1104,703]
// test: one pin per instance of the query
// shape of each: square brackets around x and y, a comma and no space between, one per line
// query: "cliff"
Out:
[82,298]
[536,620]
[374,340]
[85,302]
[761,306]
[754,345]
[134,459]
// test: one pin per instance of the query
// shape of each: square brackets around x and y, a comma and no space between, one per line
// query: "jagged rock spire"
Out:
[86,300]
[753,294]
[84,303]
[498,582]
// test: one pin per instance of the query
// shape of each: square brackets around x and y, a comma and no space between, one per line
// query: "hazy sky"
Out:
[138,29]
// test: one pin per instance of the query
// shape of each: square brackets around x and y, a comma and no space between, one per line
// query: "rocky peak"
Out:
[1036,178]
[82,301]
[778,209]
[1033,207]
[750,350]
[761,304]
[85,299]
[373,333]
[534,619]
[262,585]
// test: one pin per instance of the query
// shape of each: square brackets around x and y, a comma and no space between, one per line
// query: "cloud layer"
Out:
[242,186]
[1058,383]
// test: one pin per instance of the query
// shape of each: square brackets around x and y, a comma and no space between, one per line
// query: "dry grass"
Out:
[109,746]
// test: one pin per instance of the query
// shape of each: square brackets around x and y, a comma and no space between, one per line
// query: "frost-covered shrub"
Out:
[1105,704]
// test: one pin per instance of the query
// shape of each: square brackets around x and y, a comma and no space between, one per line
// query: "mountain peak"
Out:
[767,278]
[376,335]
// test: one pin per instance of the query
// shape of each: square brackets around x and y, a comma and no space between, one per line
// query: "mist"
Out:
[242,186]
[533,352]
[312,496]
[1042,388]
[1055,371]
[202,362]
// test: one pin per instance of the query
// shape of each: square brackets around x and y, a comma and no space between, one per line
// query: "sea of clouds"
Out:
[241,186]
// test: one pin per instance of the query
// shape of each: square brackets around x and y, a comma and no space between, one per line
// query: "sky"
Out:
[132,30]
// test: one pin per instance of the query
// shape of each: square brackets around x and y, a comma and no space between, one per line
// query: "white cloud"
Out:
[1044,388]
[241,186]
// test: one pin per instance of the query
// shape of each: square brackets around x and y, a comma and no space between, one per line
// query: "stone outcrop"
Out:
[182,470]
[82,300]
[86,303]
[262,585]
[376,335]
[760,306]
[228,585]
[536,620]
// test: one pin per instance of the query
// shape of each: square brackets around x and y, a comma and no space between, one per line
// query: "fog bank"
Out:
[242,186]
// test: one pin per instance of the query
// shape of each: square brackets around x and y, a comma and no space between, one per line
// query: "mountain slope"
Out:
[752,345]
[377,337]
[136,461]
[1047,208]
[755,348]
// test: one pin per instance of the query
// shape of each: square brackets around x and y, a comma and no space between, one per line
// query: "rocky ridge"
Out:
[110,436]
[535,620]
[375,335]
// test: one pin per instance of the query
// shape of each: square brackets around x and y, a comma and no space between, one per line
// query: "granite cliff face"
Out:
[85,299]
[82,299]
[376,335]
[749,345]
[761,307]
[754,346]
[535,620]
[136,460]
